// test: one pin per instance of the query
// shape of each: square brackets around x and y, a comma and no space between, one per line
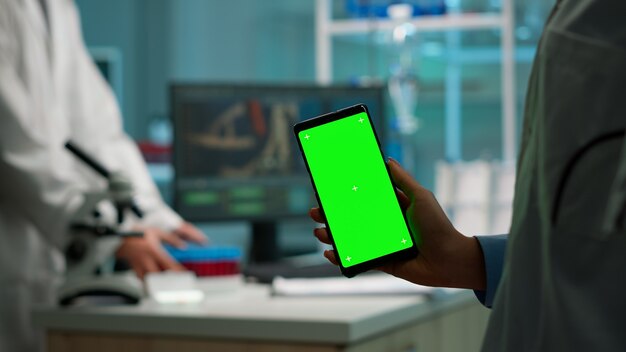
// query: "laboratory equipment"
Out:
[174,287]
[235,157]
[89,276]
[208,261]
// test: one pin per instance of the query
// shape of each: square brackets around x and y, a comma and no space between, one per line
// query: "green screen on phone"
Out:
[355,189]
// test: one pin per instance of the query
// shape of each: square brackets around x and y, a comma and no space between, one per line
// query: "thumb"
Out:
[403,179]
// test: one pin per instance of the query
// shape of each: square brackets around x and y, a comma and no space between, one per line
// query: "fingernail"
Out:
[392,160]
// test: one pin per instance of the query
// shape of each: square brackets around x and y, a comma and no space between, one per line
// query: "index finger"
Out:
[317,215]
[405,202]
[166,262]
[191,233]
[403,179]
[173,240]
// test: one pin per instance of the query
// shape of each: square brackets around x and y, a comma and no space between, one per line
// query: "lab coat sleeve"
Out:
[97,125]
[493,248]
[35,180]
[157,213]
[615,219]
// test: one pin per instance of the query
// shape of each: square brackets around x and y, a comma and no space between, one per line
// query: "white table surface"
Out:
[252,313]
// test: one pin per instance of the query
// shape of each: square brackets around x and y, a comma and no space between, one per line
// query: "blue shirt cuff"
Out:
[493,248]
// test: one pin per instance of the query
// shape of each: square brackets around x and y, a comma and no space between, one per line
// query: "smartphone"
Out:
[354,190]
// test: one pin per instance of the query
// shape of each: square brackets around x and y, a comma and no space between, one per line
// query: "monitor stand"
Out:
[266,260]
[264,247]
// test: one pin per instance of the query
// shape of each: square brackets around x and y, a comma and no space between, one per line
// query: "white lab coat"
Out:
[50,91]
[564,282]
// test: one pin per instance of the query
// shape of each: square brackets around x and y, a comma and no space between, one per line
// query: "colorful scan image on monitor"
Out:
[235,157]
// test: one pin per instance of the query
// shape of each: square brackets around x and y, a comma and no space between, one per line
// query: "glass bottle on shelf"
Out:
[403,83]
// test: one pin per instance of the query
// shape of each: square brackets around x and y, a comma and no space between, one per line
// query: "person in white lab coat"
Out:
[51,92]
[557,281]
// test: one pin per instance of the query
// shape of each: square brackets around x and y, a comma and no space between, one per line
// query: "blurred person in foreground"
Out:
[556,282]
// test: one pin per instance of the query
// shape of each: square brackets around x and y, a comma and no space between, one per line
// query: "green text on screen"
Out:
[355,190]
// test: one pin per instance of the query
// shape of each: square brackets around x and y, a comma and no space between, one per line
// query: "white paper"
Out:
[372,284]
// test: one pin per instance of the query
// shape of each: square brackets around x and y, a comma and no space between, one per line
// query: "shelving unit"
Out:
[452,23]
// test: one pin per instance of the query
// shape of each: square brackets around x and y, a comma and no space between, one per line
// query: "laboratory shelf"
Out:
[466,21]
[452,23]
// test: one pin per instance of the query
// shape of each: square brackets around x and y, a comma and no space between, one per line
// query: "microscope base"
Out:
[122,288]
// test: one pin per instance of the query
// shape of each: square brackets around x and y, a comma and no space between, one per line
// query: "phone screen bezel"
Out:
[353,270]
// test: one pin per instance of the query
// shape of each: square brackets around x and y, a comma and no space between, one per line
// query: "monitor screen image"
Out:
[235,157]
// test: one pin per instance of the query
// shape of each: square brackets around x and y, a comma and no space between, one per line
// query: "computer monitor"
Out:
[235,156]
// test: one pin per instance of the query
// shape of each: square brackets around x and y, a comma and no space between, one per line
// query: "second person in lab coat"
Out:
[51,92]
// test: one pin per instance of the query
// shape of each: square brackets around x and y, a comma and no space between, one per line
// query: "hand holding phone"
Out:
[353,187]
[446,257]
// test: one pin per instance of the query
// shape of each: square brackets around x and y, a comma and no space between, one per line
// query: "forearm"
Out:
[467,264]
[156,212]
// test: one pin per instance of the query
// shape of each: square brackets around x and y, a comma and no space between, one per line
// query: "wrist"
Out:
[467,267]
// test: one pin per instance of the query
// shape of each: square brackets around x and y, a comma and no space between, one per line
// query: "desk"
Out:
[253,320]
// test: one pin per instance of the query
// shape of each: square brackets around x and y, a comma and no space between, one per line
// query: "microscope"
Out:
[90,277]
